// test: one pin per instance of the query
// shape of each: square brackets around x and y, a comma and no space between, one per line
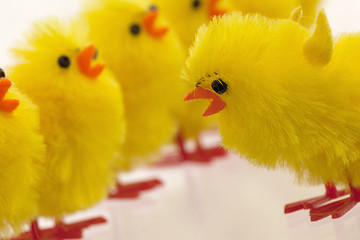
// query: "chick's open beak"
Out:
[85,58]
[149,24]
[7,105]
[214,9]
[216,104]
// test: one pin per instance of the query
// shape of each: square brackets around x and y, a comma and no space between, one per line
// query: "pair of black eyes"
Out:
[219,86]
[65,62]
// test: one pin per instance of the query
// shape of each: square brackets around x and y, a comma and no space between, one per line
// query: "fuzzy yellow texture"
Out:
[21,153]
[279,8]
[148,69]
[185,19]
[81,118]
[282,110]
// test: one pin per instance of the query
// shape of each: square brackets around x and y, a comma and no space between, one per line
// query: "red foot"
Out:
[201,155]
[336,209]
[133,190]
[60,230]
[331,193]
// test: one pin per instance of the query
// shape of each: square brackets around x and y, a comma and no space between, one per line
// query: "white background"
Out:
[228,199]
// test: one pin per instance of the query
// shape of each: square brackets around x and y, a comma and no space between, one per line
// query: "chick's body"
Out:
[281,109]
[21,152]
[81,117]
[147,62]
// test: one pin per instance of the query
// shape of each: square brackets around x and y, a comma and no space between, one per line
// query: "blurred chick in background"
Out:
[282,101]
[186,16]
[280,8]
[21,153]
[81,118]
[146,61]
[134,36]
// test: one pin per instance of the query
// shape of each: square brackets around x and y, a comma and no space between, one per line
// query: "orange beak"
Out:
[216,104]
[149,24]
[7,105]
[84,61]
[214,10]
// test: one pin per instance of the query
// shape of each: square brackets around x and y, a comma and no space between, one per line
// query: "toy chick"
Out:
[151,60]
[21,152]
[288,99]
[81,118]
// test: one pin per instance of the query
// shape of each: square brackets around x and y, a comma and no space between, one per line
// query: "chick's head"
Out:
[136,37]
[56,59]
[246,65]
[187,16]
[128,33]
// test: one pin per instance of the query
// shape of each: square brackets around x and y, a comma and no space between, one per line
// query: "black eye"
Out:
[64,62]
[96,54]
[135,29]
[153,8]
[219,86]
[2,73]
[196,4]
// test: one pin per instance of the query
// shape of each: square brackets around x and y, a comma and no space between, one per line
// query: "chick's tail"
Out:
[310,9]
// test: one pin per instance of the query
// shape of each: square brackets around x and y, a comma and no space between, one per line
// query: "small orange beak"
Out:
[149,24]
[214,10]
[7,105]
[216,104]
[84,61]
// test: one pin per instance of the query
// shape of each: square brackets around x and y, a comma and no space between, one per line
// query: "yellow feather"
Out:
[296,14]
[318,48]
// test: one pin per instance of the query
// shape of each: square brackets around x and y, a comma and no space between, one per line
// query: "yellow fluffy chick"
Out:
[280,8]
[21,153]
[147,60]
[281,100]
[81,114]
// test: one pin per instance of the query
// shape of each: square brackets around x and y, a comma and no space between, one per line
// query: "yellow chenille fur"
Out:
[21,153]
[279,8]
[285,106]
[186,16]
[148,68]
[81,117]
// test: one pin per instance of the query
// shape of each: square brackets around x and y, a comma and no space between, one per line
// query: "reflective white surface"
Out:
[228,199]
